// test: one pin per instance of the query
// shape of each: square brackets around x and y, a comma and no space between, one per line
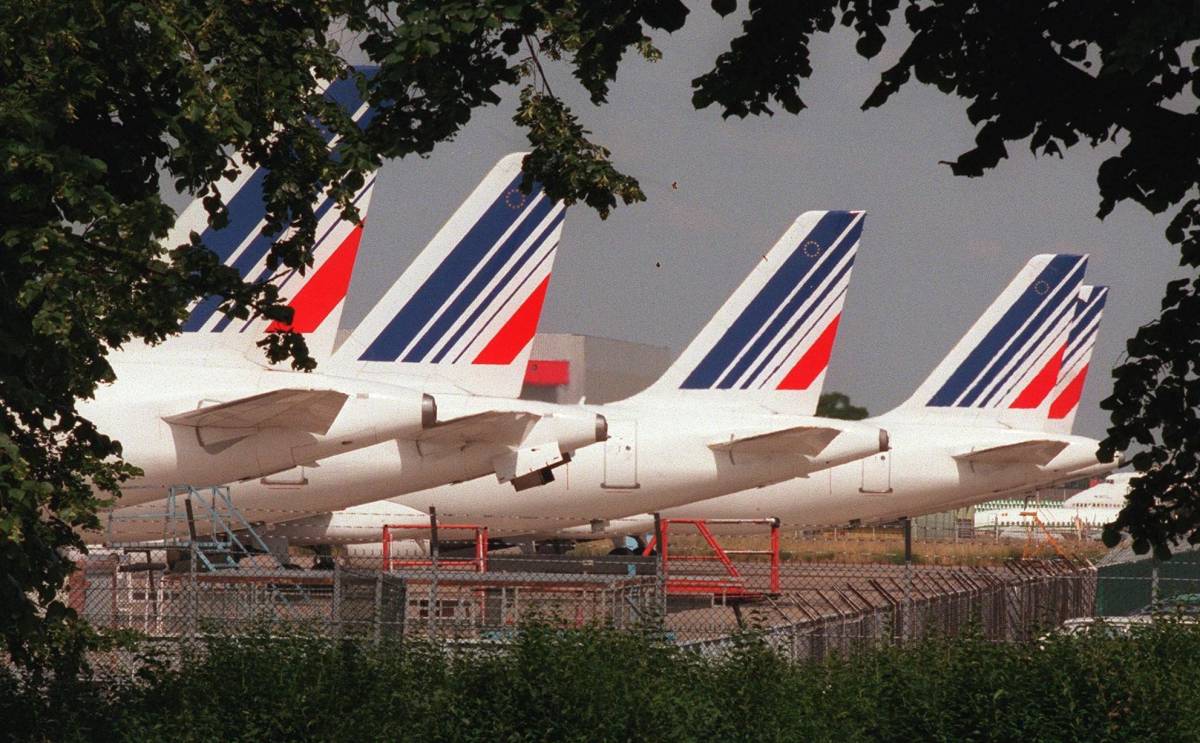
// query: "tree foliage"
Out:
[1050,75]
[105,105]
[100,102]
[838,405]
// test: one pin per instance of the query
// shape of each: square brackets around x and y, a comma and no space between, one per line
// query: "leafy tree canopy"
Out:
[838,405]
[101,101]
[1049,75]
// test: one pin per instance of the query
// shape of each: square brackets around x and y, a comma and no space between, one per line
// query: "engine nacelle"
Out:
[854,442]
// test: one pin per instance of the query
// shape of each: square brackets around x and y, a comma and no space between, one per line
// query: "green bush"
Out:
[604,685]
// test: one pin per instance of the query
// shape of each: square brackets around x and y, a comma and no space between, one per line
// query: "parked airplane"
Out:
[1085,512]
[205,412]
[982,424]
[1064,398]
[735,411]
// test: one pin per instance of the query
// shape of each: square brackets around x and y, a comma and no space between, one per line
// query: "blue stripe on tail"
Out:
[810,250]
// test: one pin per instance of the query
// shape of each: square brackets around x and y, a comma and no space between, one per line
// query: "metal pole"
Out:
[433,536]
[907,575]
[1153,579]
[433,561]
[658,568]
[378,605]
[337,599]
[194,603]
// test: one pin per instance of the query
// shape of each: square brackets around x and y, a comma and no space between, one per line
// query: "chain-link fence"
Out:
[805,610]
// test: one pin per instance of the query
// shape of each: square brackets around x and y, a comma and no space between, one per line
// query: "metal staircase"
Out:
[204,524]
[204,533]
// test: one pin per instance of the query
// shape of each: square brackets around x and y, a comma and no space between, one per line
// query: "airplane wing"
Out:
[305,410]
[809,440]
[494,426]
[1035,451]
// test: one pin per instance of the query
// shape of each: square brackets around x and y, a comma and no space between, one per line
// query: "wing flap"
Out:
[1036,451]
[808,440]
[304,410]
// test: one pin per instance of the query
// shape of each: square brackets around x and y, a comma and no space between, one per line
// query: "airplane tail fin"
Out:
[770,342]
[315,295]
[1003,370]
[1085,326]
[462,316]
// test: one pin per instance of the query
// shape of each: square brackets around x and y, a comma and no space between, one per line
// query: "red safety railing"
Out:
[733,583]
[476,563]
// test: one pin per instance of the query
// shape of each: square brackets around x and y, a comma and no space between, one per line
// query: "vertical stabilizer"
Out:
[462,316]
[316,295]
[1085,327]
[1003,370]
[770,342]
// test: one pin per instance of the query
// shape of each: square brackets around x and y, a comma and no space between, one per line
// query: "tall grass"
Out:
[604,685]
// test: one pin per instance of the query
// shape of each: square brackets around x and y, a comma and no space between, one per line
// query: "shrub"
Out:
[599,684]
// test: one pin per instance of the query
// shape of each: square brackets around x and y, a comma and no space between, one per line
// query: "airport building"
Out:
[568,368]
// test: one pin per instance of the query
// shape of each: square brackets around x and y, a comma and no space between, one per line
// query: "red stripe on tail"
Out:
[813,362]
[1069,397]
[1040,386]
[317,298]
[517,332]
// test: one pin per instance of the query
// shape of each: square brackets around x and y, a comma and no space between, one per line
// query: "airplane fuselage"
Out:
[135,409]
[654,458]
[919,475]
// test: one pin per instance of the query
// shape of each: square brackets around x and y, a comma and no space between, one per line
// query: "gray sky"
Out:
[936,249]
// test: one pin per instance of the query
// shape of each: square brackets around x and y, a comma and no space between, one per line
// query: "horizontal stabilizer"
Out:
[1037,451]
[303,410]
[807,440]
[507,427]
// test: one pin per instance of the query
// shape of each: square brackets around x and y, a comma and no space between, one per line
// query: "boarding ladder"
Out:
[202,522]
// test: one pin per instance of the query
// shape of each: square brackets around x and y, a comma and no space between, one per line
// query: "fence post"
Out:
[337,599]
[433,563]
[908,582]
[659,578]
[378,604]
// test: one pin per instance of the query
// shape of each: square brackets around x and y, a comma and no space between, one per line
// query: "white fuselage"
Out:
[275,474]
[151,388]
[656,457]
[1093,507]
[917,475]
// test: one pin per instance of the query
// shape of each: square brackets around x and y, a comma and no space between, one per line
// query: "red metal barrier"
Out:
[477,563]
[732,584]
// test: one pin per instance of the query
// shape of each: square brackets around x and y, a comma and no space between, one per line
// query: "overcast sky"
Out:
[935,252]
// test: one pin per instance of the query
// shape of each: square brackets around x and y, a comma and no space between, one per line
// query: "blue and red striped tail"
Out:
[771,341]
[1006,366]
[463,315]
[315,295]
[1085,328]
